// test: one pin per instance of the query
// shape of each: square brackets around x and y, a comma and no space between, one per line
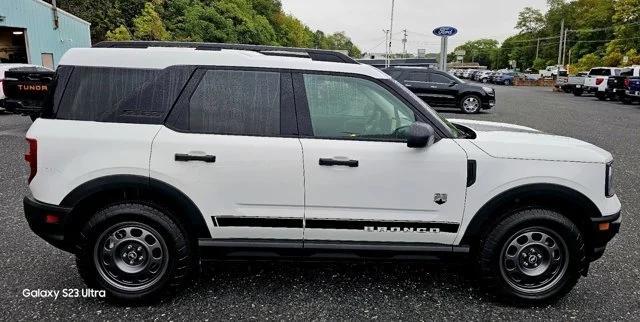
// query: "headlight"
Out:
[608,184]
[487,89]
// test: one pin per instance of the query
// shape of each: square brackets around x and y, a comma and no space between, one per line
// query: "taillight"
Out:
[626,82]
[32,158]
[599,81]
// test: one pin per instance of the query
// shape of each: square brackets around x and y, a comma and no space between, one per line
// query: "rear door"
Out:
[231,145]
[418,82]
[444,87]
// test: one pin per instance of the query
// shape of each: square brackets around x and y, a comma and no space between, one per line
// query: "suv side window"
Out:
[353,108]
[417,77]
[441,79]
[236,103]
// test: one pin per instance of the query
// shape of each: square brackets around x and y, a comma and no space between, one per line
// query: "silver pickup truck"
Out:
[571,84]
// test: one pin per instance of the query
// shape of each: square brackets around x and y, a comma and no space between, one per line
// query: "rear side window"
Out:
[236,103]
[123,95]
[94,94]
[439,78]
[600,72]
[417,77]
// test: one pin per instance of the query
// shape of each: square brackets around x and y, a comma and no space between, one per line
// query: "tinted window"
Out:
[600,72]
[439,78]
[395,74]
[236,102]
[417,77]
[349,107]
[95,94]
[626,72]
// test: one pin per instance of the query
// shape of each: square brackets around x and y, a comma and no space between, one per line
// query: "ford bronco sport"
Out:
[151,153]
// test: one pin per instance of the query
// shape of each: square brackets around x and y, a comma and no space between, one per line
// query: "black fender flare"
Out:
[575,204]
[189,213]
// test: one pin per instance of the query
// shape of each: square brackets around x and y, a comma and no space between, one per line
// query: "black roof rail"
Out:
[314,54]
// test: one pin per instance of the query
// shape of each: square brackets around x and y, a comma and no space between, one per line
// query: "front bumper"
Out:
[488,101]
[632,93]
[47,221]
[603,229]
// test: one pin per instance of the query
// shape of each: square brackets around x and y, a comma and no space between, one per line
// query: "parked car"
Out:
[553,71]
[485,76]
[444,90]
[3,69]
[632,90]
[616,84]
[249,153]
[505,78]
[468,73]
[596,82]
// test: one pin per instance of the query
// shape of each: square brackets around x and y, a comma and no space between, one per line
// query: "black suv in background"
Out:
[444,90]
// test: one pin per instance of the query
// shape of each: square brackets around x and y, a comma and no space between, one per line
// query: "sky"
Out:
[364,20]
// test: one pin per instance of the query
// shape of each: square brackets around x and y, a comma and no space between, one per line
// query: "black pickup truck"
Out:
[27,89]
[616,85]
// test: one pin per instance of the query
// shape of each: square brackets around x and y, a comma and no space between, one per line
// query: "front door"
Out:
[362,182]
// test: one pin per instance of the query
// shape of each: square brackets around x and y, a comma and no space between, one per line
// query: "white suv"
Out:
[153,153]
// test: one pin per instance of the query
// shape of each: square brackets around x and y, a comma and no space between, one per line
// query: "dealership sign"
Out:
[445,31]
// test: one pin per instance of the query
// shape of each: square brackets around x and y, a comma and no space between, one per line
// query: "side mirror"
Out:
[421,135]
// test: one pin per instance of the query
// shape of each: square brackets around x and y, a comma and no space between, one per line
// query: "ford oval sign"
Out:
[445,31]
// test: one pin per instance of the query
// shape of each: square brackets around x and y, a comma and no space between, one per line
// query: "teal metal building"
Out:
[36,32]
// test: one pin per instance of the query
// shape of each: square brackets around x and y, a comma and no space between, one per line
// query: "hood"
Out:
[502,140]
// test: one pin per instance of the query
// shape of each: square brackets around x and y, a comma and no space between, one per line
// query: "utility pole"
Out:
[386,53]
[564,45]
[560,46]
[538,48]
[404,44]
[393,4]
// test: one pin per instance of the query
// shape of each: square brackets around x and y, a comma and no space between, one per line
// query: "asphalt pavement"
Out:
[337,291]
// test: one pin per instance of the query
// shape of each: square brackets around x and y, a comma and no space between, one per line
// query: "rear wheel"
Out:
[134,251]
[601,96]
[577,92]
[507,82]
[625,100]
[533,255]
[470,104]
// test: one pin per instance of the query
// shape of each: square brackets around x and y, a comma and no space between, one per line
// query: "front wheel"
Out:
[625,100]
[601,96]
[134,251]
[534,255]
[470,104]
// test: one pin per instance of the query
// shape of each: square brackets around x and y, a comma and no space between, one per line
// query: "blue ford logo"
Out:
[445,31]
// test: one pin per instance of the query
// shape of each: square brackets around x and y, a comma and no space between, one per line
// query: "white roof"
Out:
[162,57]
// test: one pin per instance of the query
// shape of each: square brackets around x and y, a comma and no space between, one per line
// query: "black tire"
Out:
[625,100]
[601,96]
[474,104]
[33,117]
[169,252]
[577,92]
[496,254]
[507,82]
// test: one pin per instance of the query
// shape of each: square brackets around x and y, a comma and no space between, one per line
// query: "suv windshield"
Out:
[455,133]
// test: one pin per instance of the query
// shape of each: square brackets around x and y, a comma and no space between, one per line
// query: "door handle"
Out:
[190,157]
[332,162]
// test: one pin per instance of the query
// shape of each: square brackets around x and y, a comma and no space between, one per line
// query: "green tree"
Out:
[530,20]
[589,61]
[119,34]
[482,51]
[148,25]
[539,64]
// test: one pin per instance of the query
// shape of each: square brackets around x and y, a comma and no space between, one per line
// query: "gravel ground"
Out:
[337,291]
